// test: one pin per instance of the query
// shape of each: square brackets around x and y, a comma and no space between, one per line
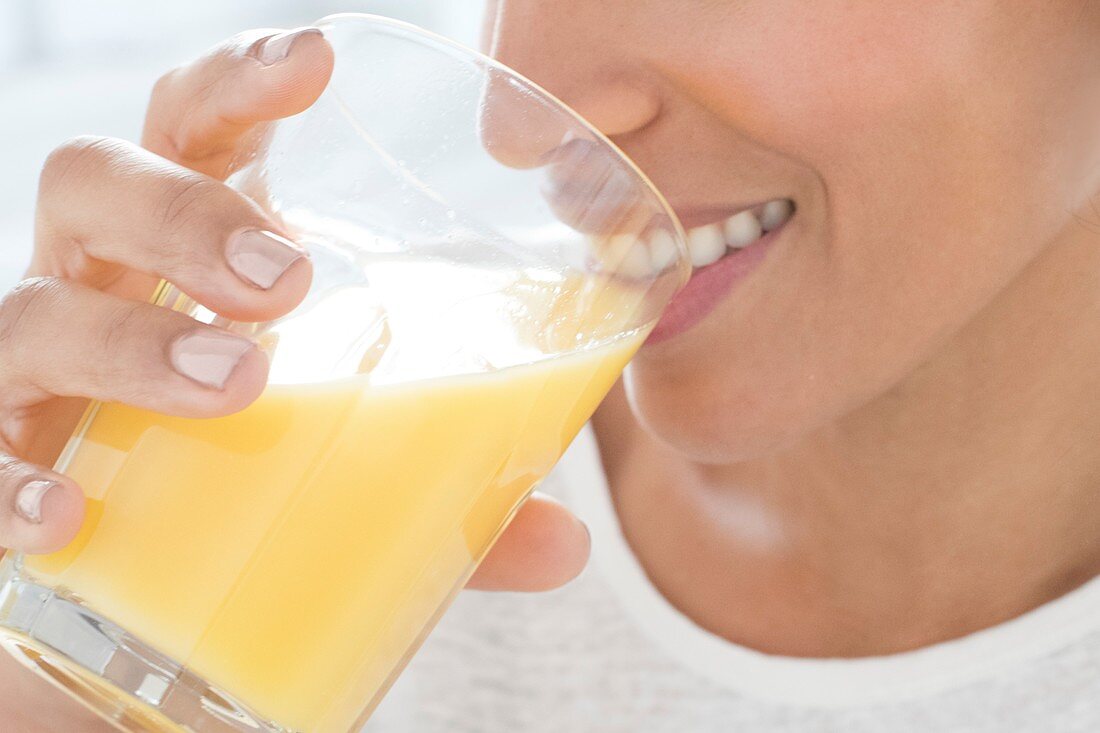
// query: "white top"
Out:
[608,653]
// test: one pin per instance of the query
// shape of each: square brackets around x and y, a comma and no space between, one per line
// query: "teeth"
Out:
[737,232]
[706,245]
[627,256]
[662,250]
[743,229]
[639,258]
[775,214]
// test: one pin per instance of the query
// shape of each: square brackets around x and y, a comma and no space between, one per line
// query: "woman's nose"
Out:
[544,41]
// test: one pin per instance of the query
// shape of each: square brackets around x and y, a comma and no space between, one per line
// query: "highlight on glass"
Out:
[486,264]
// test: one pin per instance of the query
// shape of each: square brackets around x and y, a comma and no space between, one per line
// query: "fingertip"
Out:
[245,384]
[266,289]
[215,391]
[563,539]
[312,54]
[292,286]
[63,509]
[295,67]
[545,547]
[59,512]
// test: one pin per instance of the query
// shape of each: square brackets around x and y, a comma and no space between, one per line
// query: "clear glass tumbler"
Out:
[486,263]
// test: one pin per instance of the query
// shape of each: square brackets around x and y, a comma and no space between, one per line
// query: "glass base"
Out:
[127,682]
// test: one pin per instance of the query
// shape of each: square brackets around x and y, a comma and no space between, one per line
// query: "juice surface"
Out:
[291,553]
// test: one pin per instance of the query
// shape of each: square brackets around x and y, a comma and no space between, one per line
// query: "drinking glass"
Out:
[485,265]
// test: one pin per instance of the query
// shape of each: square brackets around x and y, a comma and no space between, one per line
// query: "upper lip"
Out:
[699,216]
[594,194]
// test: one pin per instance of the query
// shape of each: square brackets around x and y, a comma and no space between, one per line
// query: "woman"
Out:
[859,494]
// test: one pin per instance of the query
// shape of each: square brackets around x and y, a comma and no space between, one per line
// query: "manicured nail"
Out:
[208,357]
[28,501]
[276,48]
[260,258]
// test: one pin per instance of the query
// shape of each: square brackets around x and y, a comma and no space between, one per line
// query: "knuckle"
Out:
[194,214]
[163,86]
[160,119]
[10,469]
[13,470]
[119,329]
[13,473]
[76,158]
[126,362]
[186,209]
[182,129]
[23,305]
[197,82]
[183,199]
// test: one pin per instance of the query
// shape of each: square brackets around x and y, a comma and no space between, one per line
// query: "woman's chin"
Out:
[704,431]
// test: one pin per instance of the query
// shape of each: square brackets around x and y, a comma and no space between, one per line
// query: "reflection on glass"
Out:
[485,266]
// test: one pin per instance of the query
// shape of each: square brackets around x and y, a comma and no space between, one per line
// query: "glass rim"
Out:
[423,34]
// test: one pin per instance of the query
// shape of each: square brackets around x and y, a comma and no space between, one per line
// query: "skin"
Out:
[112,219]
[876,442]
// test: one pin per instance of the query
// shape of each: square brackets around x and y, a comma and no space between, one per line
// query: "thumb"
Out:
[543,548]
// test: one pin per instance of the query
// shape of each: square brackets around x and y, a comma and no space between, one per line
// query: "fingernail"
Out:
[276,48]
[28,501]
[208,357]
[260,258]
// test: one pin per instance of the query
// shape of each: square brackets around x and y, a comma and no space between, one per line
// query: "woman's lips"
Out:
[709,285]
[595,193]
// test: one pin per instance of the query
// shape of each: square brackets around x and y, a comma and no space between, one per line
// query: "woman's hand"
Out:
[113,219]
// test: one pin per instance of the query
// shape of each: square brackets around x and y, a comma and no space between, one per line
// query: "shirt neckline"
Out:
[828,683]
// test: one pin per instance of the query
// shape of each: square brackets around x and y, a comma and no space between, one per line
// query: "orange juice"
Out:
[292,553]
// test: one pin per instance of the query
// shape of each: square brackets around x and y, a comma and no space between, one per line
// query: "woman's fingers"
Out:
[40,511]
[104,200]
[58,337]
[199,112]
[543,548]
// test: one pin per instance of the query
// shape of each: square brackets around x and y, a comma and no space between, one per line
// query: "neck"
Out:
[965,496]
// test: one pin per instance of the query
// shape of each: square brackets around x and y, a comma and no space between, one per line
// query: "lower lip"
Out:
[708,286]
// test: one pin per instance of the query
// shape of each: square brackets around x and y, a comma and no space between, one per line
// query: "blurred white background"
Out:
[72,67]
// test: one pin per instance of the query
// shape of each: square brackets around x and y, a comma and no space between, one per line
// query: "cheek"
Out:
[932,188]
